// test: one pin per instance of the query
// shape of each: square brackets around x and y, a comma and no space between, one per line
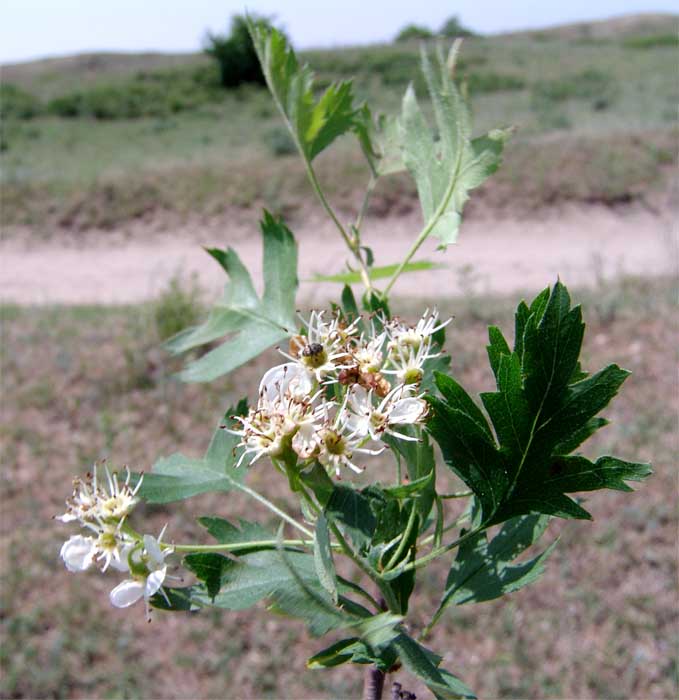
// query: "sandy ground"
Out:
[579,244]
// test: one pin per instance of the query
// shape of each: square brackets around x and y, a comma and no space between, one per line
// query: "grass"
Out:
[84,383]
[203,155]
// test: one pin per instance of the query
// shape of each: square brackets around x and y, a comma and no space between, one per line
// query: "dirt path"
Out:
[492,256]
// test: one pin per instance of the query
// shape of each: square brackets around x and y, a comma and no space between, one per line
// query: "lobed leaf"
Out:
[314,124]
[250,324]
[544,407]
[445,162]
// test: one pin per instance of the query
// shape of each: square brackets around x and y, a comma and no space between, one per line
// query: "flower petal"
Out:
[126,593]
[406,411]
[154,581]
[78,553]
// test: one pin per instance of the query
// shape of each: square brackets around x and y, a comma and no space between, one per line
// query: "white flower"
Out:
[337,442]
[368,355]
[288,379]
[93,503]
[324,348]
[149,570]
[396,408]
[413,336]
[109,547]
[268,429]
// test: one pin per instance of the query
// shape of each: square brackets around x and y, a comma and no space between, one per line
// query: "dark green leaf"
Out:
[418,456]
[545,406]
[482,571]
[351,511]
[424,664]
[251,324]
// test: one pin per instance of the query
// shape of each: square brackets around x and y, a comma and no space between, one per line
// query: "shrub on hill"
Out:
[414,31]
[16,103]
[235,54]
[453,28]
[152,94]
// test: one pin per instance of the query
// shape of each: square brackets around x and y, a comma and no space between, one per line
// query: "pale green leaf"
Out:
[376,273]
[445,162]
[250,324]
[325,568]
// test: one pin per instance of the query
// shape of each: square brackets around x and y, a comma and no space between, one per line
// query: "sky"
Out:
[32,29]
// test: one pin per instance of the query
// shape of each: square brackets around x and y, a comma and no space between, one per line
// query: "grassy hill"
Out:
[97,140]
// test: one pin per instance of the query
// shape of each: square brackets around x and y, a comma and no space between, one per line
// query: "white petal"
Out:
[406,411]
[153,550]
[276,380]
[78,553]
[119,559]
[154,581]
[126,593]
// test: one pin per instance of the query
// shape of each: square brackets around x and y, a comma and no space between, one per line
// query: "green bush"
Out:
[16,103]
[651,42]
[235,54]
[157,94]
[414,31]
[177,307]
[453,28]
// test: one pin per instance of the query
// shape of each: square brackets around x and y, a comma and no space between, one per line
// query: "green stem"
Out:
[457,494]
[366,200]
[447,528]
[396,556]
[235,546]
[434,554]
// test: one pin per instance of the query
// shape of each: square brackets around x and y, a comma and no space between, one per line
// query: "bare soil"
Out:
[581,244]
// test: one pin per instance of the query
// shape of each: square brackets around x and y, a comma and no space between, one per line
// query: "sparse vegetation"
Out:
[651,42]
[189,138]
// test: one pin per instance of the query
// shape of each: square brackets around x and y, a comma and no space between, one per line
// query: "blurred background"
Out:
[132,134]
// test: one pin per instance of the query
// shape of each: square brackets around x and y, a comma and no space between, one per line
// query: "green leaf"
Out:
[445,162]
[410,489]
[376,273]
[418,456]
[337,654]
[544,407]
[482,571]
[316,478]
[251,324]
[325,568]
[351,511]
[355,651]
[380,139]
[425,665]
[177,477]
[314,124]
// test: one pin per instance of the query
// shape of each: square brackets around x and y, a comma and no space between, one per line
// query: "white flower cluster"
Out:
[333,399]
[101,508]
